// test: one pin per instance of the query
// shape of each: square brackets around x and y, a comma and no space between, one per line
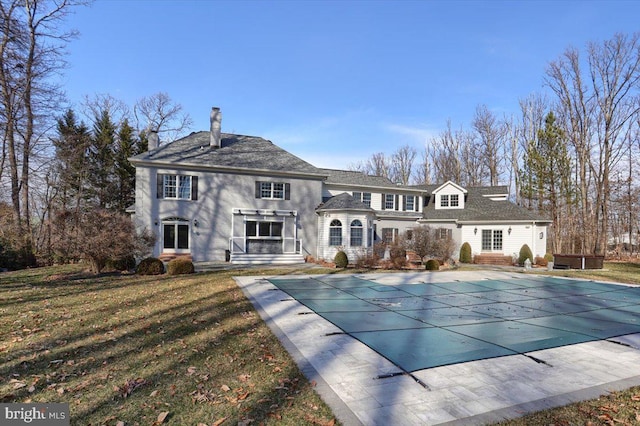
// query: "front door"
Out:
[175,236]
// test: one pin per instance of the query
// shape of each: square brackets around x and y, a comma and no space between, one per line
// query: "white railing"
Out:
[290,245]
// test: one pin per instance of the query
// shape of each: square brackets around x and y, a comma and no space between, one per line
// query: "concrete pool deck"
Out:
[362,387]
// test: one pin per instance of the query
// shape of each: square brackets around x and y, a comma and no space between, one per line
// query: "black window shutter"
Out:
[404,204]
[384,201]
[257,189]
[194,187]
[449,233]
[397,206]
[159,186]
[416,206]
[287,191]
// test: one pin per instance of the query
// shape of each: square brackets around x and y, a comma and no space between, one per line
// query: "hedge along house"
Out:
[216,196]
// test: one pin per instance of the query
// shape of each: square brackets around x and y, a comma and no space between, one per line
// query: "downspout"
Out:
[533,238]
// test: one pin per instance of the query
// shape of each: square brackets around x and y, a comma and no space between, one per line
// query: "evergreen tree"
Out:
[125,173]
[545,179]
[102,180]
[72,167]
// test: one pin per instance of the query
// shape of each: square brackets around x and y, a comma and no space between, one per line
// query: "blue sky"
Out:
[332,81]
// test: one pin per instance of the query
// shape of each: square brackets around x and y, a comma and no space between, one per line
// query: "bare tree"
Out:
[491,132]
[599,110]
[575,111]
[615,73]
[402,164]
[473,167]
[445,156]
[533,110]
[161,114]
[31,53]
[424,172]
[94,106]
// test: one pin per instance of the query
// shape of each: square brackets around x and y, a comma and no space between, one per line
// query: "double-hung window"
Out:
[443,234]
[389,235]
[356,233]
[365,197]
[335,233]
[454,200]
[409,203]
[177,187]
[389,202]
[272,190]
[444,200]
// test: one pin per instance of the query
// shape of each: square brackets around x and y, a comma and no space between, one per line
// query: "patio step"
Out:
[493,259]
[167,257]
[266,259]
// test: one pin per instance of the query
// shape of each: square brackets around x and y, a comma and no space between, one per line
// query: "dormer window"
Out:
[449,196]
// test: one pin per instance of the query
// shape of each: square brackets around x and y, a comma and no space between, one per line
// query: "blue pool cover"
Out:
[418,326]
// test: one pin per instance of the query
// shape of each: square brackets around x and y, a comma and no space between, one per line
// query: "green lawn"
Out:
[183,350]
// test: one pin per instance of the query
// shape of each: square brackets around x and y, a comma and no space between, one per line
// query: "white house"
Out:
[215,196]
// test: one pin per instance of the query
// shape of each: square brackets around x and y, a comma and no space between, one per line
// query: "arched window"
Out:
[335,233]
[356,233]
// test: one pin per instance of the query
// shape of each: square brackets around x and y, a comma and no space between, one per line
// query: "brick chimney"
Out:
[216,124]
[153,140]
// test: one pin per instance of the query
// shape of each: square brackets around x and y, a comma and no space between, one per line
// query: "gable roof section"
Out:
[343,201]
[449,183]
[237,152]
[479,207]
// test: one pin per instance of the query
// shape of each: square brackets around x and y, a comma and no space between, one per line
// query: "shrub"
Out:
[432,265]
[443,249]
[548,257]
[96,236]
[180,266]
[421,241]
[398,256]
[396,251]
[399,262]
[150,266]
[341,260]
[465,253]
[366,259]
[541,261]
[125,263]
[525,253]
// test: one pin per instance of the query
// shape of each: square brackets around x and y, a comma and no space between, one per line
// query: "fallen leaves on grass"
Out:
[161,418]
[129,386]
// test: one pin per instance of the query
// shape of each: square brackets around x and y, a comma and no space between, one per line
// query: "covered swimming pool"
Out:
[422,325]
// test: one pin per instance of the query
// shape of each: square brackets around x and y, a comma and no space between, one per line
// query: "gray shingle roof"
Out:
[479,207]
[343,201]
[236,152]
[348,177]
